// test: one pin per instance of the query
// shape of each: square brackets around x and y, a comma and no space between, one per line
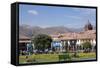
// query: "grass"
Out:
[87,55]
[39,58]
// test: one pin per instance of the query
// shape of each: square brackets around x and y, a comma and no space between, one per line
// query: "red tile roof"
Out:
[90,34]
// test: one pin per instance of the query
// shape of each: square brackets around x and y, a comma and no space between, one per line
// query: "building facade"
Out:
[70,41]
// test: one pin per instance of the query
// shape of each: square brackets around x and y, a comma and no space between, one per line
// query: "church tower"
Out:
[88,26]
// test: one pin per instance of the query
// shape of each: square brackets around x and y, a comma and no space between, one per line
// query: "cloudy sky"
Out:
[47,16]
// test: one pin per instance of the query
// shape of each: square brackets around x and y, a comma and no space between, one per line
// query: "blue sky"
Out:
[48,16]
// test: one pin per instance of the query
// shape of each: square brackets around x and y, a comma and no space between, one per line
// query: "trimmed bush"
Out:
[87,47]
[64,57]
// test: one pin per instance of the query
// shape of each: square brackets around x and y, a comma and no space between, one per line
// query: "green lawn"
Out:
[39,58]
[87,55]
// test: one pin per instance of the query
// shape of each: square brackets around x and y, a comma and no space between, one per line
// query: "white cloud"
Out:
[34,12]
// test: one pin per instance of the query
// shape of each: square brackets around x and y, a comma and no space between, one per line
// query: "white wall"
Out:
[5,34]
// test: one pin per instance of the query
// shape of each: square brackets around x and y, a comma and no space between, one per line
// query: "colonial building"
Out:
[72,40]
[66,41]
[23,41]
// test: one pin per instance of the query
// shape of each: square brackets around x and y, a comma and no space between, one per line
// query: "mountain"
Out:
[30,31]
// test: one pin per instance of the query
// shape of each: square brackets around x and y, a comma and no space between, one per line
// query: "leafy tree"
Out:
[87,46]
[42,42]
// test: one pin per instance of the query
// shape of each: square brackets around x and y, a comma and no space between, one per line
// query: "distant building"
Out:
[89,34]
[23,41]
[88,26]
[68,40]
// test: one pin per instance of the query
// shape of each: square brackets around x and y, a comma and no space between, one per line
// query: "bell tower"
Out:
[88,26]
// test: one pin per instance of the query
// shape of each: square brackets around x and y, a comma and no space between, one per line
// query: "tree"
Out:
[42,42]
[87,46]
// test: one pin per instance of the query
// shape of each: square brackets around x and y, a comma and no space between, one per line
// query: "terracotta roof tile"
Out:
[90,34]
